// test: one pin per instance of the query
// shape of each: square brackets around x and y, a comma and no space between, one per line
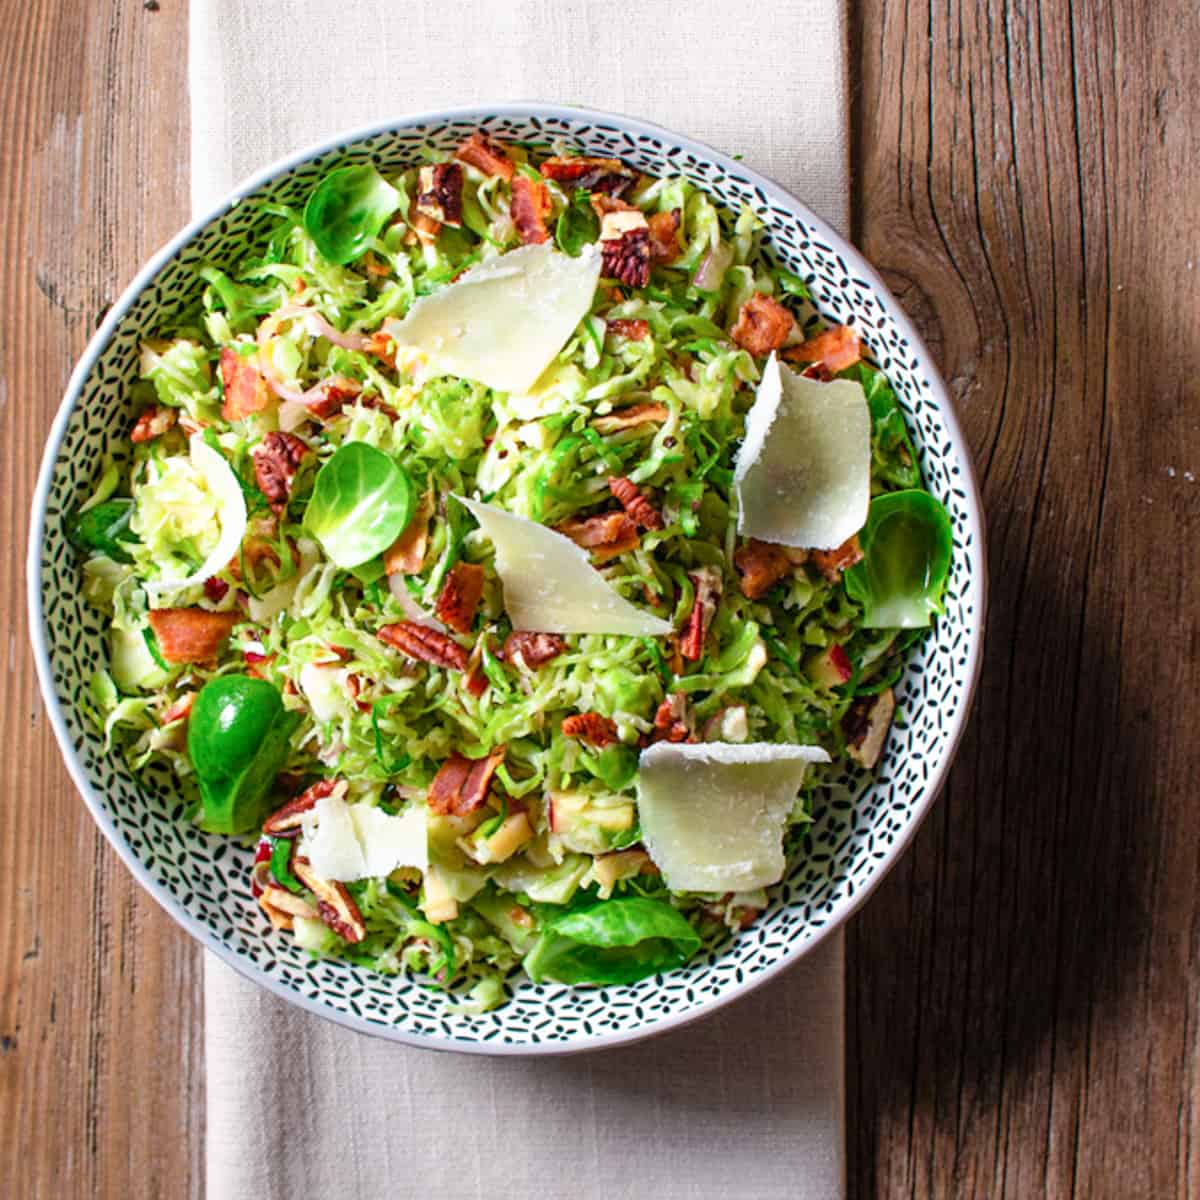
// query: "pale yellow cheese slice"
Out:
[355,841]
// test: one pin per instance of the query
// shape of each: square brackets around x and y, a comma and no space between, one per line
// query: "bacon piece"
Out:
[460,596]
[631,417]
[285,821]
[406,555]
[834,349]
[373,266]
[335,905]
[440,193]
[590,727]
[625,246]
[635,329]
[191,635]
[246,391]
[533,649]
[707,582]
[762,565]
[530,209]
[153,423]
[608,175]
[634,503]
[425,645]
[831,563]
[763,325]
[461,785]
[380,345]
[605,535]
[277,458]
[664,237]
[673,721]
[335,393]
[485,154]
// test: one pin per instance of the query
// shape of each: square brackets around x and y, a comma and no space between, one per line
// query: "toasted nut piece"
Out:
[425,645]
[707,582]
[533,649]
[190,635]
[761,565]
[153,423]
[277,458]
[406,555]
[866,726]
[335,905]
[590,727]
[664,237]
[763,325]
[246,391]
[834,349]
[336,392]
[631,417]
[634,503]
[281,906]
[831,563]
[285,821]
[461,784]
[673,720]
[460,596]
[625,247]
[440,193]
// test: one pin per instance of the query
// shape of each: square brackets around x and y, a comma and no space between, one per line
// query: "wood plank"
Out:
[100,1050]
[1024,988]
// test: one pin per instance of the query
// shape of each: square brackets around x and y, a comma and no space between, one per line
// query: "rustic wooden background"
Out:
[1023,989]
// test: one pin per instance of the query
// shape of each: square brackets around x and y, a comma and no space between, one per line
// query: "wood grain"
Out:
[1023,990]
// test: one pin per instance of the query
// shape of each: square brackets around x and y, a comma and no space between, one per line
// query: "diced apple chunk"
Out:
[830,668]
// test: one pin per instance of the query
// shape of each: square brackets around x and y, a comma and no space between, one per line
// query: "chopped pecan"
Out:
[631,417]
[625,247]
[866,726]
[605,535]
[285,821]
[246,391]
[707,582]
[153,423]
[633,328]
[664,237]
[335,905]
[590,727]
[533,649]
[406,555]
[460,596]
[282,907]
[530,210]
[833,350]
[485,154]
[380,345]
[425,645]
[762,565]
[334,394]
[461,785]
[608,175]
[422,227]
[276,460]
[831,563]
[440,192]
[634,503]
[673,720]
[191,635]
[476,681]
[763,325]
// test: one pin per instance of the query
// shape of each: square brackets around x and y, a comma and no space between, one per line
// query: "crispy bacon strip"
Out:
[763,325]
[590,727]
[380,345]
[707,582]
[460,596]
[533,649]
[461,785]
[425,645]
[191,635]
[834,349]
[761,565]
[336,392]
[246,391]
[665,246]
[634,503]
[631,417]
[633,328]
[285,821]
[485,154]
[406,555]
[153,423]
[673,720]
[831,563]
[608,175]
[277,458]
[605,535]
[530,209]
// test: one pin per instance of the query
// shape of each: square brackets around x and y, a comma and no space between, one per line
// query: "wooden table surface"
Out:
[1023,989]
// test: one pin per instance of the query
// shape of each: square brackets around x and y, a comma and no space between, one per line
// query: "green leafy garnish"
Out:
[103,529]
[347,210]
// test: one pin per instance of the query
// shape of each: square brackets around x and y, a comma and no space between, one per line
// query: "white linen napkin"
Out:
[748,1102]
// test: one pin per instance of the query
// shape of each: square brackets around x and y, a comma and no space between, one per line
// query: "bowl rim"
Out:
[845,908]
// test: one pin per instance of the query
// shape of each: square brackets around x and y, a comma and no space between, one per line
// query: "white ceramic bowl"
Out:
[862,823]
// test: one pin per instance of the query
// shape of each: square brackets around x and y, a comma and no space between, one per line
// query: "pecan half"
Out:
[461,785]
[460,596]
[866,726]
[673,721]
[707,582]
[831,563]
[761,565]
[605,535]
[634,503]
[440,192]
[406,555]
[631,417]
[335,393]
[633,328]
[425,645]
[530,210]
[590,727]
[285,821]
[335,905]
[833,350]
[763,325]
[486,155]
[608,175]
[533,649]
[153,423]
[625,247]
[191,635]
[277,458]
[246,391]
[282,907]
[665,246]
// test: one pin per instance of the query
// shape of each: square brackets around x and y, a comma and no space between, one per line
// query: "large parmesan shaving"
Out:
[549,584]
[713,814]
[355,841]
[803,473]
[503,321]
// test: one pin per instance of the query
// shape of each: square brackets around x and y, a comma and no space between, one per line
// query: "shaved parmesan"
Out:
[803,473]
[713,814]
[355,841]
[503,321]
[549,583]
[324,688]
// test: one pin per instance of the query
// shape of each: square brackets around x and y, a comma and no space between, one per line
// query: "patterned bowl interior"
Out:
[861,824]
